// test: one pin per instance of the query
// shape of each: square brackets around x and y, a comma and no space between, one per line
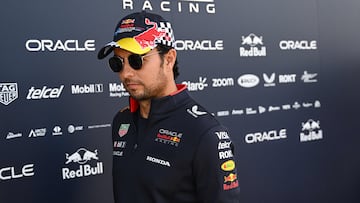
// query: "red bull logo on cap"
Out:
[148,38]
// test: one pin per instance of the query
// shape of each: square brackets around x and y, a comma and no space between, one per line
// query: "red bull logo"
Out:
[147,38]
[168,137]
[81,156]
[230,186]
[230,178]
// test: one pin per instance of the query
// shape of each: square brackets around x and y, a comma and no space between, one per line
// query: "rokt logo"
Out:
[8,92]
[192,6]
[44,93]
[36,45]
[287,78]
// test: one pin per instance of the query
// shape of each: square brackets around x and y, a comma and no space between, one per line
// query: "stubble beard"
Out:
[149,92]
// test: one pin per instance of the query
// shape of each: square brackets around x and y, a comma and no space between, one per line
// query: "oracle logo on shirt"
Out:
[168,137]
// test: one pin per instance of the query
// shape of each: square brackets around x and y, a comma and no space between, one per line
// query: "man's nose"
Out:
[127,70]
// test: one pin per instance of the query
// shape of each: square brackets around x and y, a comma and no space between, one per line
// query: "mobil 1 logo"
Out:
[87,89]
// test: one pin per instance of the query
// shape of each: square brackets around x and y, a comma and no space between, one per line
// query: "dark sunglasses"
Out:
[116,63]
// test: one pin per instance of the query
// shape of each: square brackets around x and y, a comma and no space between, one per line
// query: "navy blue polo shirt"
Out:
[180,154]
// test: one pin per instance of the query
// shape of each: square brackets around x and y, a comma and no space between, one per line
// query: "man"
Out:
[167,148]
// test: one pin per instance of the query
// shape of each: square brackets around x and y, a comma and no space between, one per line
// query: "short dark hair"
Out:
[163,49]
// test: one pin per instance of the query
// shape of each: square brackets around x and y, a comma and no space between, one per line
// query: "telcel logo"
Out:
[9,173]
[44,93]
[36,45]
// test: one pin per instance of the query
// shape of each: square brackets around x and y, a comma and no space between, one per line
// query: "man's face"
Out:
[149,81]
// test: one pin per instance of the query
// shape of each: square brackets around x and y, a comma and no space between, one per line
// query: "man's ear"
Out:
[170,59]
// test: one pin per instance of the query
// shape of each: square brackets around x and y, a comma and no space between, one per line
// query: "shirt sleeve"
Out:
[215,168]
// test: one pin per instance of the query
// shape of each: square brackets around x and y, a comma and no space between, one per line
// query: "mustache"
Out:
[130,81]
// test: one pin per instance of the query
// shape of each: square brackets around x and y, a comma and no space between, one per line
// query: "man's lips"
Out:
[132,85]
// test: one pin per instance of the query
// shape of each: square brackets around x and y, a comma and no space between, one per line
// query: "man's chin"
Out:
[138,96]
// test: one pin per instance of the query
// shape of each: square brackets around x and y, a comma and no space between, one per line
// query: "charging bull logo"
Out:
[230,178]
[310,125]
[311,131]
[147,38]
[81,156]
[252,40]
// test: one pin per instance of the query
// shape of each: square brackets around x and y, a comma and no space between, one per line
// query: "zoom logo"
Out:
[222,82]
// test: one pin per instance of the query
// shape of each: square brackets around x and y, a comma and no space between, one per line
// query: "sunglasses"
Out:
[116,63]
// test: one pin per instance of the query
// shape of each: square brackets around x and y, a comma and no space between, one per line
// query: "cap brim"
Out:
[128,44]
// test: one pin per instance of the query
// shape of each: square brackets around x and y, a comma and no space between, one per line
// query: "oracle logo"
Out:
[8,173]
[36,45]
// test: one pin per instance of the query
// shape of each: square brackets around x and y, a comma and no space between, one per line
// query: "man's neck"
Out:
[145,105]
[144,108]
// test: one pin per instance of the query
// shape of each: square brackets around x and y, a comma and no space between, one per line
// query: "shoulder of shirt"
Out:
[124,109]
[122,114]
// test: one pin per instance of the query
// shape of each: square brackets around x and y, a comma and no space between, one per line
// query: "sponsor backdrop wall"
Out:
[282,75]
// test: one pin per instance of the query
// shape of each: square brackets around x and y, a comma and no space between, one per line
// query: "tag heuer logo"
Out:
[123,129]
[8,92]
